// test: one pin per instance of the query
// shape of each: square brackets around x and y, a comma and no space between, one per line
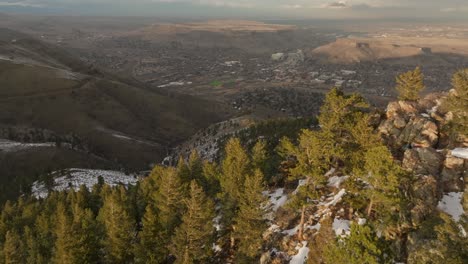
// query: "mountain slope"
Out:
[48,96]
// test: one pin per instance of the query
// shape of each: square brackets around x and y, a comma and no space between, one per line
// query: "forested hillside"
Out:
[364,186]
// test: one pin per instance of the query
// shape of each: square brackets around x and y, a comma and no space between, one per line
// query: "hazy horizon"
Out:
[243,9]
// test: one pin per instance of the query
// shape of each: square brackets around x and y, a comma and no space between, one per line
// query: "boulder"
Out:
[452,174]
[393,109]
[409,107]
[426,161]
[420,131]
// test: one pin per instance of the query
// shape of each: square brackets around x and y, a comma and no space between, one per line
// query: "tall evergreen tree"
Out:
[151,247]
[194,237]
[63,242]
[119,227]
[410,84]
[234,167]
[384,178]
[260,156]
[13,248]
[457,102]
[250,222]
[168,200]
[85,236]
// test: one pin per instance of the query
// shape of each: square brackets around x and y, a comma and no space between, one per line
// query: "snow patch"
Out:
[460,153]
[336,198]
[278,198]
[336,181]
[451,204]
[74,178]
[217,222]
[291,232]
[362,221]
[301,256]
[173,84]
[341,227]
[314,227]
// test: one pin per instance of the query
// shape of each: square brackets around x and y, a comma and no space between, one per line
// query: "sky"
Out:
[273,9]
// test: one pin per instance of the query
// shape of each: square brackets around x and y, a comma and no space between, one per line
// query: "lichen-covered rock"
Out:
[419,130]
[426,161]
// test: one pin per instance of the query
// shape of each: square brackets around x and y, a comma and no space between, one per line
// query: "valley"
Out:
[133,92]
[131,139]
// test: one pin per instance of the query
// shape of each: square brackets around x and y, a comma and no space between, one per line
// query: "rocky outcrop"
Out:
[407,124]
[413,131]
[426,161]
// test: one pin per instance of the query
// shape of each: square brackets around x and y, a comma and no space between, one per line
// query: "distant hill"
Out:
[46,95]
[355,50]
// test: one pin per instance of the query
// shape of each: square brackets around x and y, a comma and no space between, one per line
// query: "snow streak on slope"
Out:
[13,146]
[74,178]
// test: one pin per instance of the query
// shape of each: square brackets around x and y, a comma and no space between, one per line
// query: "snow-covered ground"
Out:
[277,198]
[301,256]
[460,153]
[451,204]
[76,177]
[13,146]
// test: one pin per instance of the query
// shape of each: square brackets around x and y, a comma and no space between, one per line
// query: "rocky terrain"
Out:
[414,131]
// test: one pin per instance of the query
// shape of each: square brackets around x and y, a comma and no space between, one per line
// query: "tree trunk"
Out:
[369,208]
[301,224]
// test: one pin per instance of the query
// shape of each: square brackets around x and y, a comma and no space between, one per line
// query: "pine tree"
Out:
[410,84]
[64,236]
[13,248]
[234,167]
[183,171]
[119,227]
[361,246]
[151,247]
[260,156]
[211,176]
[44,234]
[85,236]
[194,237]
[457,102]
[195,165]
[168,200]
[384,178]
[250,222]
